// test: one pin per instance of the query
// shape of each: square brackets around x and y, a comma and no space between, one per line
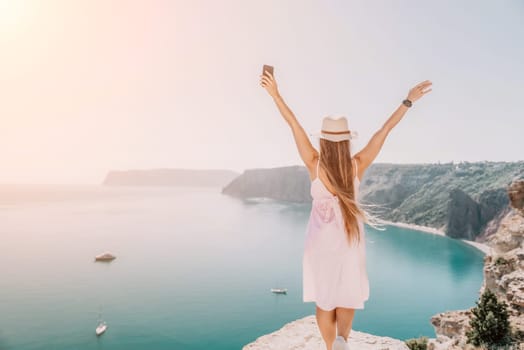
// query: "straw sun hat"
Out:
[335,129]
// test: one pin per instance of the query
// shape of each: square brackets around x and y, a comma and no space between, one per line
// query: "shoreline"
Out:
[483,247]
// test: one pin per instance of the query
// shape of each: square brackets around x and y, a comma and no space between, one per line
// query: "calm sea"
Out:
[194,270]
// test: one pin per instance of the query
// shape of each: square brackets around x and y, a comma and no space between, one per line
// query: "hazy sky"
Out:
[92,86]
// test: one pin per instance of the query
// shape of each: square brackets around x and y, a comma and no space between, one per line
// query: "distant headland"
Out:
[170,177]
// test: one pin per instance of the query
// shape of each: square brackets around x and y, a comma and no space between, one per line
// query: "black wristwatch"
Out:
[407,103]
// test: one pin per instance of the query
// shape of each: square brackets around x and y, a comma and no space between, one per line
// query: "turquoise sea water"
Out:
[193,270]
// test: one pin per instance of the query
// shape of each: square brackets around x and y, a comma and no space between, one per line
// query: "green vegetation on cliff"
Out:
[460,198]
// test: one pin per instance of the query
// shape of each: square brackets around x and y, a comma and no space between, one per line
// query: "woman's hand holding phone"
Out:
[268,82]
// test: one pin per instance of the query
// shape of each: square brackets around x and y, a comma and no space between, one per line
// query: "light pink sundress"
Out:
[334,272]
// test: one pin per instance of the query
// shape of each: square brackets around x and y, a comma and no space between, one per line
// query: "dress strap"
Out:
[356,167]
[318,163]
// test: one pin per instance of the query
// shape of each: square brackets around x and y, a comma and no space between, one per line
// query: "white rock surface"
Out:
[304,334]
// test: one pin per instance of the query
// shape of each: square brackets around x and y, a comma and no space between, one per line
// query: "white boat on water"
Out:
[107,256]
[101,328]
[279,290]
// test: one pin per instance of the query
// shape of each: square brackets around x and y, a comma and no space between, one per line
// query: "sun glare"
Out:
[11,14]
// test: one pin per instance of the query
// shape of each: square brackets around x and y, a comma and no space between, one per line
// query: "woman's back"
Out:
[334,272]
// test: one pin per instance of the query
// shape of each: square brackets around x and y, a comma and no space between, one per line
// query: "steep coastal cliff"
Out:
[465,200]
[503,275]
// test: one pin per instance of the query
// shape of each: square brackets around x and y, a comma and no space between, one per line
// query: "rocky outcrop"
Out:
[170,177]
[516,196]
[451,324]
[490,202]
[503,275]
[304,334]
[492,226]
[504,270]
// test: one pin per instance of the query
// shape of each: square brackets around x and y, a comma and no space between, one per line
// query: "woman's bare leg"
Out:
[344,319]
[326,324]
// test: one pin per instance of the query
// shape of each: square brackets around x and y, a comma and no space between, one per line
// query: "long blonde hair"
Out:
[336,160]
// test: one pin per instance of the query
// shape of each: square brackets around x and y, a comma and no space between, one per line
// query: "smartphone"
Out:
[267,68]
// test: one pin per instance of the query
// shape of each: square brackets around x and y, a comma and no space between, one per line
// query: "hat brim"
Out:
[336,138]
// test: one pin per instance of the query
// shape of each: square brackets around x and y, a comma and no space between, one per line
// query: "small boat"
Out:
[107,256]
[279,290]
[101,328]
